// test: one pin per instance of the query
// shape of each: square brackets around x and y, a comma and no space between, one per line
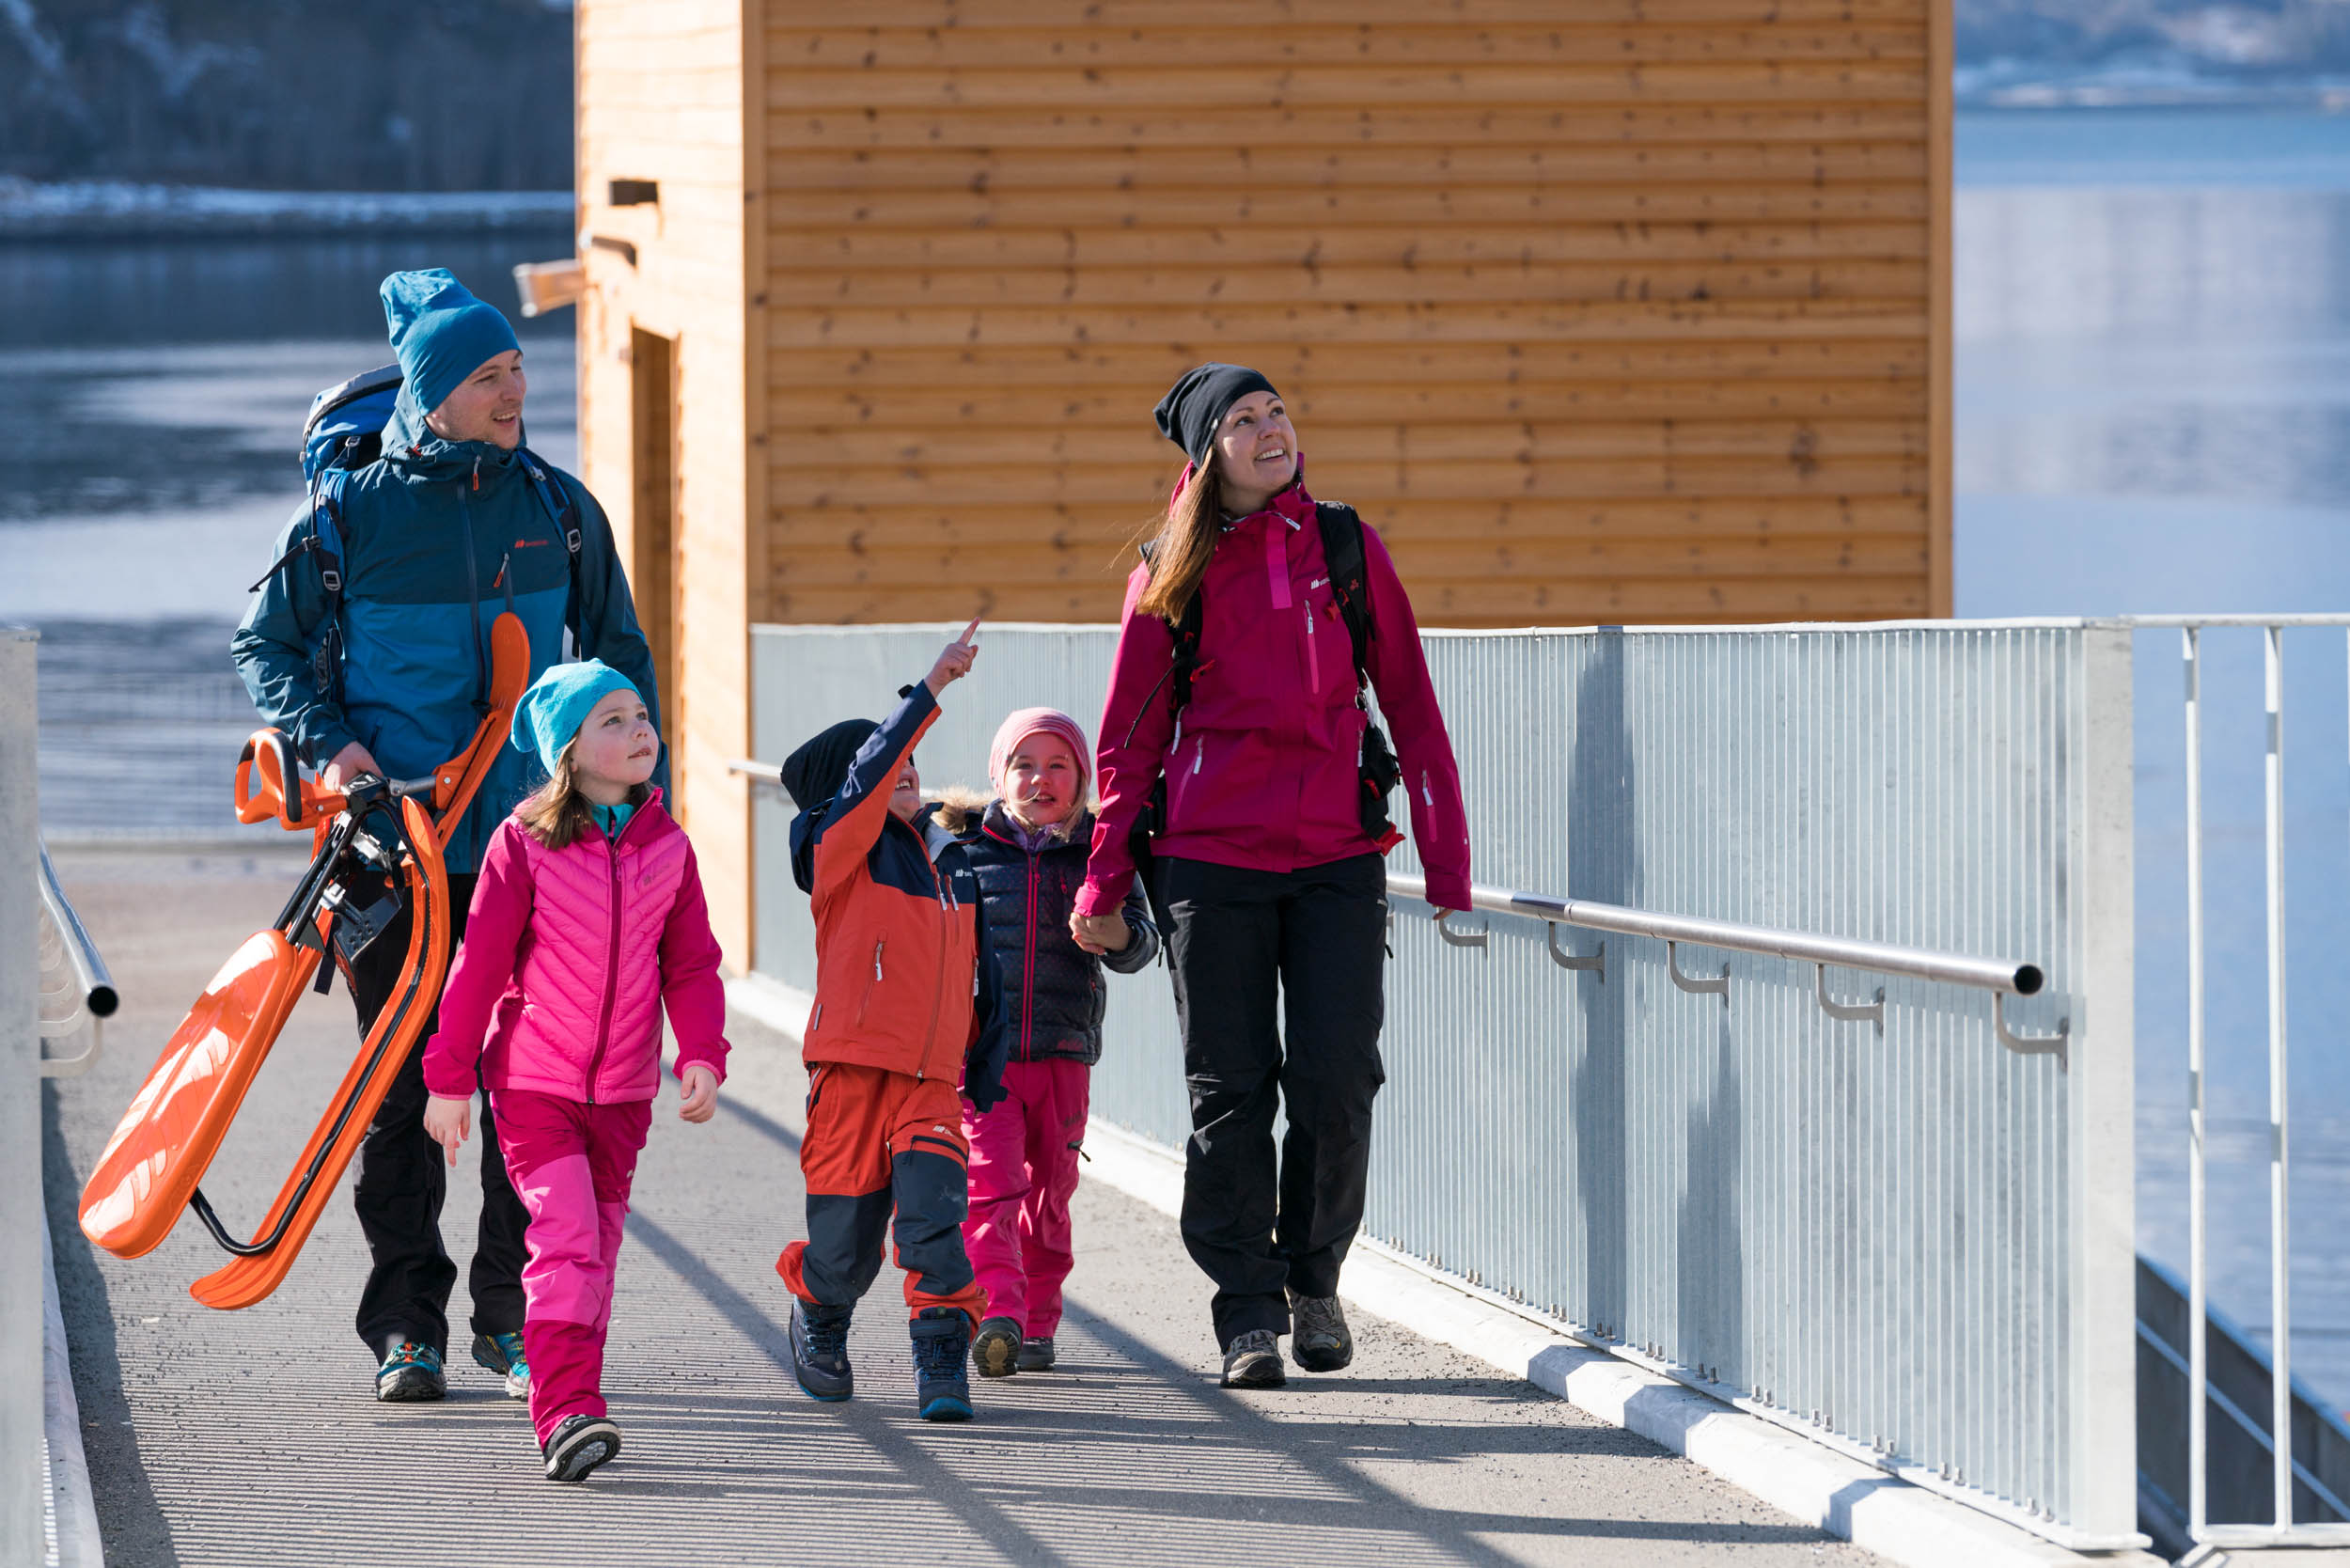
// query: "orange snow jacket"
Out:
[899,928]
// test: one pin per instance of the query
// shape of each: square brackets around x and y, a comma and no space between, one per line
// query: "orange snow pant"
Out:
[879,1140]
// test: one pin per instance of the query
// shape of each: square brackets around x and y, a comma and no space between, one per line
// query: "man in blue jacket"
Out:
[437,537]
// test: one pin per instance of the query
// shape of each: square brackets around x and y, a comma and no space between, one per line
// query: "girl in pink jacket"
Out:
[588,923]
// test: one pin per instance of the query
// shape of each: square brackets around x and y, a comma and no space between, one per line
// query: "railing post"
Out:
[2279,1248]
[2103,1092]
[2199,1306]
[23,1475]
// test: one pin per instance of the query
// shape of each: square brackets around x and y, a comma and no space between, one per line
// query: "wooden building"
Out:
[1601,310]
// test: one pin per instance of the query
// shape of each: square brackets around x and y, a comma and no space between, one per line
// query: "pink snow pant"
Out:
[572,1164]
[1024,1168]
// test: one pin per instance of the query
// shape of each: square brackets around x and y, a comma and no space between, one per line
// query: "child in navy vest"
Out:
[1028,845]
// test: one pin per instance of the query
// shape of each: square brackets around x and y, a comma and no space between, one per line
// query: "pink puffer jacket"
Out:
[570,957]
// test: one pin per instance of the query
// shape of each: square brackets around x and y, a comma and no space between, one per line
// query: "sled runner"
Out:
[377,851]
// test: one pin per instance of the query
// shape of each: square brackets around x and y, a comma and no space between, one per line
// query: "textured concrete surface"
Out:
[251,1438]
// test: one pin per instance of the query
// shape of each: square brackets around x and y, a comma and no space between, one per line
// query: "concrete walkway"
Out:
[251,1438]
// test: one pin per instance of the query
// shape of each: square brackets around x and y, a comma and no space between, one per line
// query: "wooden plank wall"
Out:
[662,96]
[1616,311]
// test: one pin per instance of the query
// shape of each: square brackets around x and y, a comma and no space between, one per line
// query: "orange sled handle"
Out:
[270,783]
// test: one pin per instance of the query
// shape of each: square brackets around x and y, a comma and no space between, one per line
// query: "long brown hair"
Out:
[559,812]
[1185,540]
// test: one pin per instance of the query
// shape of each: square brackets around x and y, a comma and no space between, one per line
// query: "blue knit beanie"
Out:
[440,333]
[558,702]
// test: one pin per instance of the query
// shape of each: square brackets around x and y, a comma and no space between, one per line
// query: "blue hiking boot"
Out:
[411,1372]
[942,1384]
[503,1354]
[820,1350]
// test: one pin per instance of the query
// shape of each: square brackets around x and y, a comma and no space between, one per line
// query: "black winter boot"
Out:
[820,1350]
[996,1350]
[942,1344]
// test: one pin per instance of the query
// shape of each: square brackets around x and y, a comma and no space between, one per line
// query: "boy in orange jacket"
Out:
[906,1015]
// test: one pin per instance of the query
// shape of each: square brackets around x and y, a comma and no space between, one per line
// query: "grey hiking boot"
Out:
[1320,1339]
[1036,1353]
[1253,1361]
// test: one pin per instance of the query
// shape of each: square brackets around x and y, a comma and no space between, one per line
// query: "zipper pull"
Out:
[1198,755]
[877,952]
[476,476]
[1427,790]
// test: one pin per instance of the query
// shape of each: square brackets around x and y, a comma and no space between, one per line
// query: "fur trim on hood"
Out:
[960,808]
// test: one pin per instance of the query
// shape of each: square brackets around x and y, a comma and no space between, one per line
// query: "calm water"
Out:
[2153,322]
[152,397]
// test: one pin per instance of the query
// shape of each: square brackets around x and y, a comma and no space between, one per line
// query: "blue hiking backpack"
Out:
[342,435]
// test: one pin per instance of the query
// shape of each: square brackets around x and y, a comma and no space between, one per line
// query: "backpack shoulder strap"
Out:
[1186,632]
[556,496]
[328,518]
[1343,556]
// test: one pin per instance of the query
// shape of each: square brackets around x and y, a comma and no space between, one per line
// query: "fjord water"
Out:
[152,399]
[2153,410]
[2153,327]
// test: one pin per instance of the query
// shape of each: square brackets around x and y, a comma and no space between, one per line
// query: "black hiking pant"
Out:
[403,1178]
[1239,943]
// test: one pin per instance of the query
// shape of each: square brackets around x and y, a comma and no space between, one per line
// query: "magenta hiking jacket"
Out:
[569,958]
[1265,771]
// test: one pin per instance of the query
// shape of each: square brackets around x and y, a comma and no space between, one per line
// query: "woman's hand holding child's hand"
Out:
[1099,933]
[446,1121]
[955,662]
[701,1092]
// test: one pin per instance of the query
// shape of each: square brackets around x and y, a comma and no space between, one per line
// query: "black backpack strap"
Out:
[327,660]
[556,496]
[1186,632]
[1342,556]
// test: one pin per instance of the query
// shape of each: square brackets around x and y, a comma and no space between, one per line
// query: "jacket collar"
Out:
[633,830]
[412,450]
[996,824]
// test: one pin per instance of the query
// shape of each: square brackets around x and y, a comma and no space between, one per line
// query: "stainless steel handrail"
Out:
[1882,958]
[769,774]
[89,968]
[2002,977]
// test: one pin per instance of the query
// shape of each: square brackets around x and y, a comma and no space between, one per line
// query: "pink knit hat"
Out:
[1030,721]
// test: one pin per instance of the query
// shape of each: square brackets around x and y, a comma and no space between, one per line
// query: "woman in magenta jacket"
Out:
[1271,884]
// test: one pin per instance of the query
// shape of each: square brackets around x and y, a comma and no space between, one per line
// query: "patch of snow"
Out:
[113,197]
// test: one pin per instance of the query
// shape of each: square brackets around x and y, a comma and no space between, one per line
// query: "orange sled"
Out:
[378,850]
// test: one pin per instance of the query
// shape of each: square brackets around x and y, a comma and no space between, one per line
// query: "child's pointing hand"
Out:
[954,663]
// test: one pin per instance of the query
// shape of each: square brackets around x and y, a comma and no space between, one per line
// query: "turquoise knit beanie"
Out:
[440,333]
[558,702]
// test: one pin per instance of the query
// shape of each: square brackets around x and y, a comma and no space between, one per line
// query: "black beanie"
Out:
[1195,406]
[814,773]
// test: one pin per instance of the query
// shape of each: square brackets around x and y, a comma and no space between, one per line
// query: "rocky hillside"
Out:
[475,95]
[421,95]
[2248,40]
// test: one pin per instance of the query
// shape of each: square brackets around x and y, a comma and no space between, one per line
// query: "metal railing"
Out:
[1899,1223]
[2002,977]
[24,1477]
[76,988]
[2282,1528]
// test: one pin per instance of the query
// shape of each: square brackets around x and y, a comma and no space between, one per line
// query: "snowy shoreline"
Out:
[121,210]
